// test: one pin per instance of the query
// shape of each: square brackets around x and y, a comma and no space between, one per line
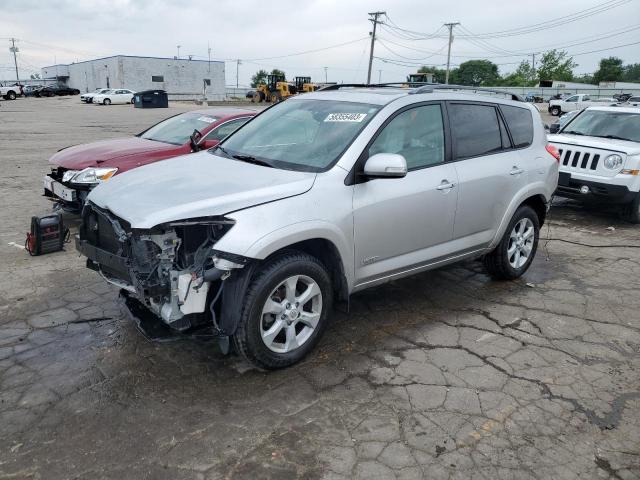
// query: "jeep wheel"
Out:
[555,111]
[284,311]
[106,101]
[634,210]
[514,254]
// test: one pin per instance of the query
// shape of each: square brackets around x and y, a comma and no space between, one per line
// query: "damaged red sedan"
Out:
[78,169]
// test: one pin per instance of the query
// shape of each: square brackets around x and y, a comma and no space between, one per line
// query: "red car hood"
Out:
[108,153]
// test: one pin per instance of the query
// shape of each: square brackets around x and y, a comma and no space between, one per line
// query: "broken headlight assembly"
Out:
[93,175]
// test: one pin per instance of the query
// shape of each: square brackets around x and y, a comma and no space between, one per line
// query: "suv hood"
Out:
[105,153]
[630,148]
[195,185]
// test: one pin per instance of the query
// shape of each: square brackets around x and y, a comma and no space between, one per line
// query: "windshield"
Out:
[597,123]
[304,135]
[178,129]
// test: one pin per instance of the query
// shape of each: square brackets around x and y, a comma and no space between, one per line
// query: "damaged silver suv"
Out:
[319,197]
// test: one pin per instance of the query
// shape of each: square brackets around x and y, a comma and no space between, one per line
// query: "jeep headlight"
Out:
[94,175]
[613,161]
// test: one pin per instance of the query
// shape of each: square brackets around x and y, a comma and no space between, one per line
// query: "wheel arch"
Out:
[534,198]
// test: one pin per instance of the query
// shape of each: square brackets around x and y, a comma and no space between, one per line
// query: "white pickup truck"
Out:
[576,102]
[10,92]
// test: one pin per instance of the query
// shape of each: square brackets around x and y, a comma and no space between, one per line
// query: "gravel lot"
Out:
[444,375]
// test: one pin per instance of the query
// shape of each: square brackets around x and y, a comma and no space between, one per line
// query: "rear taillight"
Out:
[553,151]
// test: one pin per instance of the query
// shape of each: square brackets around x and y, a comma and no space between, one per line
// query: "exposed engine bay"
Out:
[172,269]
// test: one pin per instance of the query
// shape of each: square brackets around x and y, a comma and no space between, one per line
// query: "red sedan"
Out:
[80,168]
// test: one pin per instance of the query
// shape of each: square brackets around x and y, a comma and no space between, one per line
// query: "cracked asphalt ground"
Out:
[443,375]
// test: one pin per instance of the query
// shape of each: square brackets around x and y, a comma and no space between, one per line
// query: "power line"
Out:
[307,51]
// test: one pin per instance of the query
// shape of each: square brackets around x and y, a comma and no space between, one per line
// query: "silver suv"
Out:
[316,198]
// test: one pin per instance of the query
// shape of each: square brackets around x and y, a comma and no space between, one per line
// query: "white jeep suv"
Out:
[600,157]
[316,198]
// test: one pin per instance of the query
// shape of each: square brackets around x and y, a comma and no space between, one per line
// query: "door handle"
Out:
[516,171]
[445,185]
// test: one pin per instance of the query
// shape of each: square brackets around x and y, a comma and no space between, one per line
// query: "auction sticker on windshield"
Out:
[345,117]
[206,119]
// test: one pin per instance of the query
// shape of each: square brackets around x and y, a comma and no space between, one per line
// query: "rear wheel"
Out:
[555,111]
[11,95]
[285,311]
[106,101]
[515,252]
[132,101]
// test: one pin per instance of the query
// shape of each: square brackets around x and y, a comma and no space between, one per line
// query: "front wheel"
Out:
[555,111]
[11,95]
[284,311]
[634,210]
[515,252]
[106,101]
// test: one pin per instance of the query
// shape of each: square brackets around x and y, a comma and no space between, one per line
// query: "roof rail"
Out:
[338,86]
[439,86]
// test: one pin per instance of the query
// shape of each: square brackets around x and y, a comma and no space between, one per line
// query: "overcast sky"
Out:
[64,31]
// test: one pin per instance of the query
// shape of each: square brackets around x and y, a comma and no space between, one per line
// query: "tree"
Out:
[631,72]
[584,78]
[275,71]
[556,65]
[259,77]
[524,76]
[610,70]
[476,73]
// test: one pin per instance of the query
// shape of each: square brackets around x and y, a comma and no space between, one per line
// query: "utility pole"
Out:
[13,49]
[450,27]
[325,74]
[178,47]
[238,63]
[379,76]
[533,61]
[209,52]
[374,19]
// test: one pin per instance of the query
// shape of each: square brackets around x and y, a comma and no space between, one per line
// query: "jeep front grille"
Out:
[586,160]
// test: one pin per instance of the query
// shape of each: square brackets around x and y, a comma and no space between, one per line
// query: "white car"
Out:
[114,96]
[576,102]
[88,97]
[600,157]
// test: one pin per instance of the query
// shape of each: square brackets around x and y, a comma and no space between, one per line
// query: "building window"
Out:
[157,78]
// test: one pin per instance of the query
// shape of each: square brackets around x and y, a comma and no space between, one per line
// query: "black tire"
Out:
[106,101]
[633,214]
[555,111]
[11,95]
[247,339]
[132,101]
[497,263]
[261,97]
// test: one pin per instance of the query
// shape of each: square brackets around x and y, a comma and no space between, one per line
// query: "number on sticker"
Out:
[345,117]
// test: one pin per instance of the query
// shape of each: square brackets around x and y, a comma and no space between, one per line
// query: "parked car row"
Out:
[251,227]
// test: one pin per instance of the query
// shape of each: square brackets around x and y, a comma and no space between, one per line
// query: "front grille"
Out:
[579,160]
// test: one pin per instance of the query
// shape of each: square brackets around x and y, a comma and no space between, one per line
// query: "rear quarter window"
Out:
[474,129]
[520,124]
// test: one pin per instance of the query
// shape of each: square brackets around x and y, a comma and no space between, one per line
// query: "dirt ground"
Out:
[444,375]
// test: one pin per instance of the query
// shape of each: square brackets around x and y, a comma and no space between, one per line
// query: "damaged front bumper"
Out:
[172,270]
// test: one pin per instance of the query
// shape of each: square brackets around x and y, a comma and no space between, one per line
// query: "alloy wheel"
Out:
[290,314]
[521,243]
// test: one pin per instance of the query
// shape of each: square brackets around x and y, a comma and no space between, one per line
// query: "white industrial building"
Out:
[180,78]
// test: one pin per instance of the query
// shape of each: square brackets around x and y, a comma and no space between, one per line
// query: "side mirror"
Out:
[554,128]
[207,144]
[195,138]
[385,165]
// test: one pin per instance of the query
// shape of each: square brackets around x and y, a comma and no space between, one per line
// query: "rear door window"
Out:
[520,124]
[474,129]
